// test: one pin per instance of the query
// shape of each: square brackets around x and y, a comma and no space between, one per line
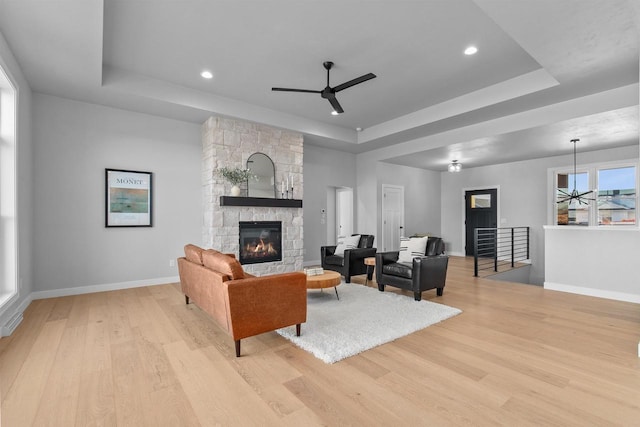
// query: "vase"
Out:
[235,191]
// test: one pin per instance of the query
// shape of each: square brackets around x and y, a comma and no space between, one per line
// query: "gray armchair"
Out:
[352,262]
[423,273]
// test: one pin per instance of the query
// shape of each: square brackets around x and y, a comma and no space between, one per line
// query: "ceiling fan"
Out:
[581,198]
[329,92]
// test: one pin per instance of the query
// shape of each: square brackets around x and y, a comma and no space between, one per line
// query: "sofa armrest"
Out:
[358,253]
[327,251]
[262,304]
[383,258]
[431,269]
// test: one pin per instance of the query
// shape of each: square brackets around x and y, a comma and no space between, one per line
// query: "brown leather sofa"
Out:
[243,305]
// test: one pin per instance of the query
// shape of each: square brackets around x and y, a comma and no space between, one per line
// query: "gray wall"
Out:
[323,169]
[523,197]
[421,196]
[24,184]
[74,143]
[367,196]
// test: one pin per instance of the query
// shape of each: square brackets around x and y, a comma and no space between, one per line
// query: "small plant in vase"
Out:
[235,176]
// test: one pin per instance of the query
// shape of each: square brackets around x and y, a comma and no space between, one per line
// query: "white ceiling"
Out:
[546,71]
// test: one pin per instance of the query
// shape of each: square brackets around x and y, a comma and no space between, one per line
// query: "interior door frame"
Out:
[383,188]
[339,207]
[463,239]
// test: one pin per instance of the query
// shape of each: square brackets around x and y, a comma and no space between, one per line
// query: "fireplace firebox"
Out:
[260,241]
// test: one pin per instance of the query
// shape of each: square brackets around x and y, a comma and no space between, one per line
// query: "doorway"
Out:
[392,217]
[481,211]
[344,212]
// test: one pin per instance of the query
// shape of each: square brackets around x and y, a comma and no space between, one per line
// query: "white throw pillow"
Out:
[412,247]
[350,242]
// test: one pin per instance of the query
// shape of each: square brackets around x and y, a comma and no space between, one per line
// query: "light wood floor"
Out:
[518,355]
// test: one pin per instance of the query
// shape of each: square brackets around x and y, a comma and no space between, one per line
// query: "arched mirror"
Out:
[263,179]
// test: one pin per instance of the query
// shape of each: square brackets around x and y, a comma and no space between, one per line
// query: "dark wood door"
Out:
[481,211]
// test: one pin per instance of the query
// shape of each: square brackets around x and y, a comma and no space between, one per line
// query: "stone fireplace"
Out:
[260,241]
[229,142]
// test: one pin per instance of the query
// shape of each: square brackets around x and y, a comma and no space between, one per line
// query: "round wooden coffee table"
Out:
[329,279]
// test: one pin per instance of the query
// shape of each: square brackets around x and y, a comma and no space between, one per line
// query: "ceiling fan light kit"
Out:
[329,93]
[575,195]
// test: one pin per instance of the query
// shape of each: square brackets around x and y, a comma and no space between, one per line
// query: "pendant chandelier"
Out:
[575,195]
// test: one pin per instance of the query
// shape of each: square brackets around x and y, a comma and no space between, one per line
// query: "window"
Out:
[8,245]
[617,196]
[612,202]
[573,213]
[480,201]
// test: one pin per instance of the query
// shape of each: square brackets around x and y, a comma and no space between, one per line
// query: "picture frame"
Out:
[128,198]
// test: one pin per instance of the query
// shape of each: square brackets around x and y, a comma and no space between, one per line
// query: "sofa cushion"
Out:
[344,243]
[398,269]
[223,264]
[193,253]
[412,247]
[435,246]
[334,260]
[366,241]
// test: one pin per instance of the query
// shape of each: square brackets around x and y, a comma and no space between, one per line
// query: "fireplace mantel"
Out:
[260,201]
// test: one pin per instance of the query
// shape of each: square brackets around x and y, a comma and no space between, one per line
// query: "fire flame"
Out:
[260,248]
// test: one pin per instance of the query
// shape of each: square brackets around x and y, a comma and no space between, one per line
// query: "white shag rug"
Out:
[363,318]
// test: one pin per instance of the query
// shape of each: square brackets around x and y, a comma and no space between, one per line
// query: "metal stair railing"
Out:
[496,247]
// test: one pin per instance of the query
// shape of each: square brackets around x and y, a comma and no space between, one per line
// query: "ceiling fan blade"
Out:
[335,104]
[284,89]
[354,82]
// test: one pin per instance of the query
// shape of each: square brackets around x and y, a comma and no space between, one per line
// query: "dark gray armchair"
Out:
[352,263]
[423,273]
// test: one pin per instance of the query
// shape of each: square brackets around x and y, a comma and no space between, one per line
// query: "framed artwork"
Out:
[128,198]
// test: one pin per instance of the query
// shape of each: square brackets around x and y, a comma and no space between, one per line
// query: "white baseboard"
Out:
[600,293]
[103,288]
[11,325]
[311,263]
[16,318]
[455,253]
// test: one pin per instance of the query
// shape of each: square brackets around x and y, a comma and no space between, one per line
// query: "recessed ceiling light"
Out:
[207,74]
[471,50]
[359,129]
[334,113]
